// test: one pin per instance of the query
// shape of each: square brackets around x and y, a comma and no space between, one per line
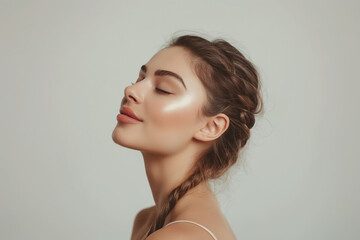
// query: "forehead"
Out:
[173,55]
[175,59]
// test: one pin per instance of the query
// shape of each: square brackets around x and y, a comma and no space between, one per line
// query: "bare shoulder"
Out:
[144,214]
[180,231]
[199,218]
[201,225]
[142,222]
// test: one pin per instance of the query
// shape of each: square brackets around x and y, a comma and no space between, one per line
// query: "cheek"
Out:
[175,115]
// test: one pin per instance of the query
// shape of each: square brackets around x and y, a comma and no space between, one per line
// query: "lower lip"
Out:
[126,119]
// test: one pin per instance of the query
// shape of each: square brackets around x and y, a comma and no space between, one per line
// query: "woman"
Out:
[189,113]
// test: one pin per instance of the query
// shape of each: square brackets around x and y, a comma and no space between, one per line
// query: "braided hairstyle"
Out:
[233,88]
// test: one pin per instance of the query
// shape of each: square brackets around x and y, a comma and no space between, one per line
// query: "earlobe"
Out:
[213,128]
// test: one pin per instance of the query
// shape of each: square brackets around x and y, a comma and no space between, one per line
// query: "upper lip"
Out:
[129,112]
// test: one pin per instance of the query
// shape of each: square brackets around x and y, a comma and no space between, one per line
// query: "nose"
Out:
[132,94]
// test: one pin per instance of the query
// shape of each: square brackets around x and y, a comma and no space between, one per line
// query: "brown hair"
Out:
[233,88]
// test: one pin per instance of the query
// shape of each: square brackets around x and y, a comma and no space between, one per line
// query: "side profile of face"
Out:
[167,97]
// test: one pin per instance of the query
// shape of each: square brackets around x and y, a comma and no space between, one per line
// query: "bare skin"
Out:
[199,205]
[170,136]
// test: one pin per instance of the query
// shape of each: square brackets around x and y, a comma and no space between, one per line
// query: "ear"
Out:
[214,127]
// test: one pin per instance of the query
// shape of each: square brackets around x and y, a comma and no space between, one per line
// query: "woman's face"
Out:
[167,97]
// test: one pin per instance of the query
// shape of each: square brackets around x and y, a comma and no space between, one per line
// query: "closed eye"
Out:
[142,77]
[162,91]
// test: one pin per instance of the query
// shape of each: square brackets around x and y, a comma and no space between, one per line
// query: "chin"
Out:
[121,140]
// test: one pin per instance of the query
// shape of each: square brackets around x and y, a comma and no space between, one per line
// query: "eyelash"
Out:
[158,90]
[162,91]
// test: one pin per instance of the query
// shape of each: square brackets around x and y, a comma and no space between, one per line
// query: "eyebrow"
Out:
[161,72]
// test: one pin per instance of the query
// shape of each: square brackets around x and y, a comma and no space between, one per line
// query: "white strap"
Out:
[195,224]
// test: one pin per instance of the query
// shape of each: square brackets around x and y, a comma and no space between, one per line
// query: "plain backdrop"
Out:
[63,69]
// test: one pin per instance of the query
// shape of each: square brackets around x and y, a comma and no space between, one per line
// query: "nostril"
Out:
[134,93]
[130,94]
[132,98]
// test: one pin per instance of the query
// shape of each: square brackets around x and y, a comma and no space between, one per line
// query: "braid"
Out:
[192,181]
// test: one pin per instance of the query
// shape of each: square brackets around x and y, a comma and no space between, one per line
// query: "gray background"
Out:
[63,68]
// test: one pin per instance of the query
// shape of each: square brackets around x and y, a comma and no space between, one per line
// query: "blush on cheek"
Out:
[176,115]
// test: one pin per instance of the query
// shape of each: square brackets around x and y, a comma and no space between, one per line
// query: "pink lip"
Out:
[126,119]
[127,115]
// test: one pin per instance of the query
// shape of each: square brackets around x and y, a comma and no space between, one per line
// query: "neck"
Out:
[166,172]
